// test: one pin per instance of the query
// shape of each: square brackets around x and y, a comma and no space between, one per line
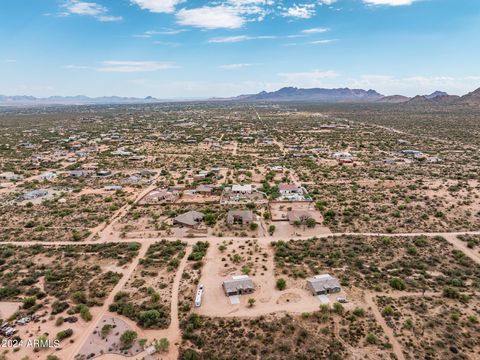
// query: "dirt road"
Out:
[70,352]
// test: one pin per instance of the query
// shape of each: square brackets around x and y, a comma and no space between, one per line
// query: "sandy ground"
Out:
[295,299]
[96,345]
[268,299]
[8,308]
[71,351]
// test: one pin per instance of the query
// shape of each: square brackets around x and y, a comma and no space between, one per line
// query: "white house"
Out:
[342,155]
[10,176]
[242,189]
[48,175]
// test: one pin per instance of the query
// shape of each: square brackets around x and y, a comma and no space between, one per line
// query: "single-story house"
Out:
[323,284]
[342,155]
[202,174]
[34,194]
[190,219]
[294,216]
[48,175]
[112,188]
[238,285]
[242,189]
[122,152]
[243,217]
[168,195]
[414,154]
[78,173]
[276,168]
[10,176]
[286,189]
[204,189]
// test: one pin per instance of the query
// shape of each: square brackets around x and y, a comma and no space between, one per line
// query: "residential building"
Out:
[238,285]
[34,194]
[243,217]
[296,216]
[48,176]
[323,284]
[242,189]
[286,189]
[342,155]
[10,176]
[191,219]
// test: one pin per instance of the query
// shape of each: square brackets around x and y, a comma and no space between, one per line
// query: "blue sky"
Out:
[200,48]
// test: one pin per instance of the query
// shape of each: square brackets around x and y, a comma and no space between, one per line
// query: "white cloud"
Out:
[239,38]
[165,32]
[414,85]
[315,30]
[313,78]
[327,2]
[321,42]
[211,17]
[150,33]
[76,67]
[251,2]
[167,43]
[234,66]
[389,2]
[134,66]
[227,14]
[303,11]
[158,6]
[97,11]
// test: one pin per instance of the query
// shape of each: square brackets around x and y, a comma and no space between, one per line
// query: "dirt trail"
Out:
[461,245]
[104,230]
[336,332]
[396,348]
[449,236]
[70,352]
[174,334]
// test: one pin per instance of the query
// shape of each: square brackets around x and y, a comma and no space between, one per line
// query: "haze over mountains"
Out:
[286,94]
[25,100]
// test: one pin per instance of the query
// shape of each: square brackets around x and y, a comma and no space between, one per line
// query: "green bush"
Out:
[281,284]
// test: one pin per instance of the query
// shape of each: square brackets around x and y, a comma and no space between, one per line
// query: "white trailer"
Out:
[198,297]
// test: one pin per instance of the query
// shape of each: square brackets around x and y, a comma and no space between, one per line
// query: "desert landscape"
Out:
[241,231]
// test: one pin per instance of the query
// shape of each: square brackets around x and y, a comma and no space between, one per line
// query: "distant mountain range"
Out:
[346,95]
[286,94]
[72,100]
[315,94]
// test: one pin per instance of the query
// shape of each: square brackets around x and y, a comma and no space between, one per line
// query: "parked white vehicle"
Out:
[198,297]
